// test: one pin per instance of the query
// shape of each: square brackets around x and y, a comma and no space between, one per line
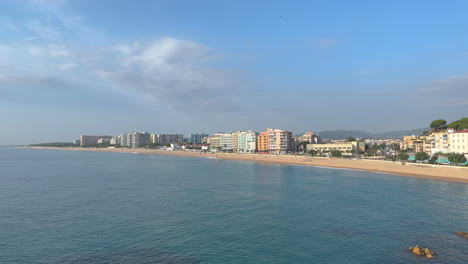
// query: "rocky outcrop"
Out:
[463,234]
[417,250]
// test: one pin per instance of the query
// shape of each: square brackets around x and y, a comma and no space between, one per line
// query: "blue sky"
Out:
[105,67]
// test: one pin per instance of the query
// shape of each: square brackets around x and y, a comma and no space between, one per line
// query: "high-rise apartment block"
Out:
[167,138]
[135,139]
[197,138]
[275,141]
[246,141]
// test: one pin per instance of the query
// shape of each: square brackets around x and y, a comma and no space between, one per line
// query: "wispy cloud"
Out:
[326,42]
[44,31]
[451,91]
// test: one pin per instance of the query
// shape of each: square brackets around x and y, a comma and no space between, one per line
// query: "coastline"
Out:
[416,170]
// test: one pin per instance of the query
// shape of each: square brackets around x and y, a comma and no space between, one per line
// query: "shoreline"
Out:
[415,170]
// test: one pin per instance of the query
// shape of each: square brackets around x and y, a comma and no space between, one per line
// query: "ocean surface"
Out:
[62,206]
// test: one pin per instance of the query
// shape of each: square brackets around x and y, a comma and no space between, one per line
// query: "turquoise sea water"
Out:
[60,206]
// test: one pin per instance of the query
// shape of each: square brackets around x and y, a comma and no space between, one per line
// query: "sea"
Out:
[63,206]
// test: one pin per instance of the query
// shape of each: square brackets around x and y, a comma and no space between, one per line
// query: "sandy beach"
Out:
[435,172]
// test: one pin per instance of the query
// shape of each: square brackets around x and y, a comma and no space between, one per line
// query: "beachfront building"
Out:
[135,139]
[222,141]
[311,137]
[246,141]
[213,141]
[197,138]
[275,141]
[115,141]
[76,142]
[167,138]
[437,142]
[89,141]
[344,147]
[103,141]
[459,141]
[226,141]
[413,144]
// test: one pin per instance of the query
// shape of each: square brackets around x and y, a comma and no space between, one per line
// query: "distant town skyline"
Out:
[70,68]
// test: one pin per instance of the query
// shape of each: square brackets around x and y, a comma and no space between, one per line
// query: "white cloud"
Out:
[174,71]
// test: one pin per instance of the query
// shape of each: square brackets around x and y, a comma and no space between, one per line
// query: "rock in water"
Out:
[463,234]
[418,250]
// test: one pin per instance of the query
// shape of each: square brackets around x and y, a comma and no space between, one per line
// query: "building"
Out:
[459,141]
[226,141]
[311,137]
[114,141]
[213,141]
[88,141]
[344,147]
[76,142]
[414,144]
[141,139]
[167,138]
[197,138]
[437,142]
[275,141]
[246,142]
[135,139]
[103,141]
[222,141]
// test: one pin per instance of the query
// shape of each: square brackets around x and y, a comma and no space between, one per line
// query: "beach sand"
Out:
[435,172]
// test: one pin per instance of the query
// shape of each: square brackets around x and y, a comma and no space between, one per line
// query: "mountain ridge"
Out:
[343,134]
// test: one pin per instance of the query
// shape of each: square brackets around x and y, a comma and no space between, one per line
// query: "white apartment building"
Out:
[246,141]
[459,141]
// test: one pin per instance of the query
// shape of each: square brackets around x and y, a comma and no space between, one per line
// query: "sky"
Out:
[70,67]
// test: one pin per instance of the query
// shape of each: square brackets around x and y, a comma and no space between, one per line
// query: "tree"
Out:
[350,139]
[312,152]
[438,123]
[394,146]
[336,153]
[303,144]
[403,156]
[459,124]
[433,159]
[421,156]
[382,146]
[456,158]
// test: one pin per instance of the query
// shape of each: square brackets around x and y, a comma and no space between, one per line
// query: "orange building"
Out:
[275,141]
[262,142]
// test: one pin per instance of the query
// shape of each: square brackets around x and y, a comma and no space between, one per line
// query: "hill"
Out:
[342,134]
